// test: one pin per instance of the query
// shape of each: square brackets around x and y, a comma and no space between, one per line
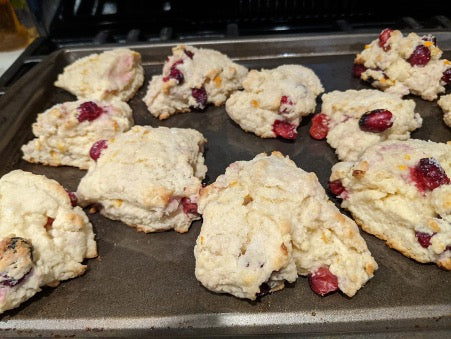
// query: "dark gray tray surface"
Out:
[145,283]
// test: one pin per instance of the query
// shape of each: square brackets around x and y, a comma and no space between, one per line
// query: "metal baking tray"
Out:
[144,284]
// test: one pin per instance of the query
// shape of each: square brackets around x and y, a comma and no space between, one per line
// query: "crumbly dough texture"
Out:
[266,221]
[344,110]
[117,73]
[260,104]
[62,140]
[144,174]
[385,201]
[445,104]
[390,71]
[207,68]
[38,210]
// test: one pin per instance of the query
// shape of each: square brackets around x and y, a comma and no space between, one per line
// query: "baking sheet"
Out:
[145,283]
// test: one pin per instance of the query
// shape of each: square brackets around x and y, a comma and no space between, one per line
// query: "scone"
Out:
[404,65]
[192,78]
[400,191]
[354,120]
[65,132]
[112,74]
[445,104]
[265,221]
[274,101]
[43,237]
[148,178]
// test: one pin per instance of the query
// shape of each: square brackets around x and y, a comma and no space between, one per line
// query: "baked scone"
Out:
[148,178]
[274,101]
[117,73]
[43,237]
[404,65]
[400,191]
[192,78]
[445,104]
[353,120]
[65,132]
[266,221]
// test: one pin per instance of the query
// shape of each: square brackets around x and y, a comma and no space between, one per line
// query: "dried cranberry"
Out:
[447,76]
[376,121]
[200,94]
[16,264]
[175,73]
[383,38]
[320,126]
[336,187]
[189,53]
[285,101]
[424,238]
[97,148]
[284,129]
[358,69]
[264,290]
[429,37]
[428,175]
[89,111]
[420,56]
[72,197]
[188,206]
[323,281]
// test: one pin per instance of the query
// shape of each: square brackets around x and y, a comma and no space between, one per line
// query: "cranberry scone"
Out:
[117,73]
[400,192]
[65,132]
[445,104]
[404,65]
[192,78]
[149,178]
[274,101]
[265,221]
[353,120]
[43,237]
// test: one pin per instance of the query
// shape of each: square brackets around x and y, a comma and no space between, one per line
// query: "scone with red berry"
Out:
[193,78]
[148,178]
[65,132]
[44,236]
[400,191]
[404,65]
[265,221]
[445,104]
[112,74]
[274,101]
[356,119]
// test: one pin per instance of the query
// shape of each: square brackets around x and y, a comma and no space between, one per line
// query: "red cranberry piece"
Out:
[336,187]
[175,73]
[320,126]
[420,56]
[358,69]
[284,129]
[447,76]
[285,101]
[189,53]
[89,111]
[264,290]
[188,206]
[428,174]
[16,260]
[429,37]
[323,281]
[72,197]
[424,239]
[383,38]
[200,94]
[96,149]
[376,121]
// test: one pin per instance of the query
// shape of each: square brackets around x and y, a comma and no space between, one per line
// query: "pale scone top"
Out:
[445,104]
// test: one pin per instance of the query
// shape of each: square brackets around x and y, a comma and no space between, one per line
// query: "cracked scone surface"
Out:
[282,95]
[192,78]
[65,132]
[148,178]
[389,67]
[266,221]
[117,73]
[344,109]
[43,238]
[384,192]
[445,104]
